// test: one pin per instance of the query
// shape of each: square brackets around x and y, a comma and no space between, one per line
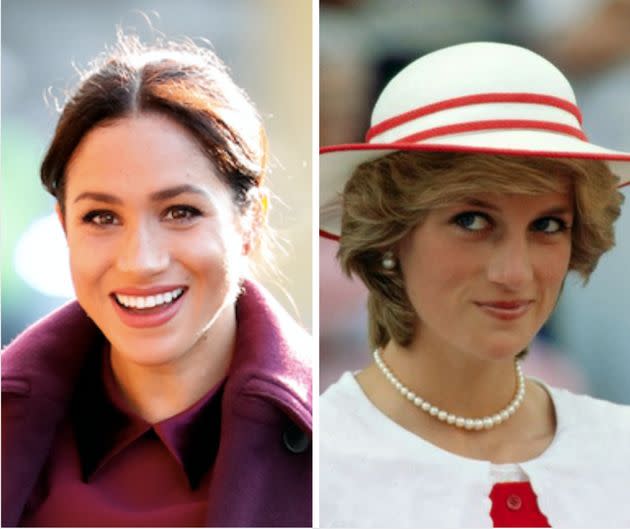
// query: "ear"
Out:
[61,218]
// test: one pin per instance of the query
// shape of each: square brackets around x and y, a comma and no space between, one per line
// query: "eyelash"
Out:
[190,213]
[89,218]
[459,221]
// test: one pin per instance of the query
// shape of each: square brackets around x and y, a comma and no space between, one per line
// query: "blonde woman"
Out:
[474,196]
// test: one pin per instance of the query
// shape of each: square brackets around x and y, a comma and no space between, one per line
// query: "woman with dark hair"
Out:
[473,197]
[175,391]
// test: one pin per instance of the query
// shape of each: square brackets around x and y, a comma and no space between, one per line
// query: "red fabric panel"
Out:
[514,504]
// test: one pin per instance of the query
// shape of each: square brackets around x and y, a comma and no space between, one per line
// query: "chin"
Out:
[502,349]
[151,351]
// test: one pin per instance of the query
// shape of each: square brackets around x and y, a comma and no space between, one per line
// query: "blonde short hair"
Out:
[386,198]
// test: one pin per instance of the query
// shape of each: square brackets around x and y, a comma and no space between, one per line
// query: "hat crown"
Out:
[467,70]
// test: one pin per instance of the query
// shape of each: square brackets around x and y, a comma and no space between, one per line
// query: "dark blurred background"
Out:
[267,45]
[363,43]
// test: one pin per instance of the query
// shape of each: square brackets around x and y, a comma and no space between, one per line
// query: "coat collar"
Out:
[273,356]
[44,362]
[104,424]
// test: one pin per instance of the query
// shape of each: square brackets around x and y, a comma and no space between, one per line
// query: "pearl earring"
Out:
[388,261]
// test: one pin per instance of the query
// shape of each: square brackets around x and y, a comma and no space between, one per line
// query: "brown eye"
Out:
[100,218]
[181,213]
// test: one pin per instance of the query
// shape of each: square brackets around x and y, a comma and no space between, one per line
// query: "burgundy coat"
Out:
[262,472]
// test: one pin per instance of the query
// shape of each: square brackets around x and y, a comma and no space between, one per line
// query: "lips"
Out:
[505,304]
[505,309]
[142,302]
[146,291]
[148,307]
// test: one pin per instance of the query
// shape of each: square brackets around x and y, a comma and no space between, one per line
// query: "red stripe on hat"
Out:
[537,99]
[327,235]
[493,124]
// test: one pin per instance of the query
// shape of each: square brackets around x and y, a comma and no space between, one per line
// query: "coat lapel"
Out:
[39,372]
[259,478]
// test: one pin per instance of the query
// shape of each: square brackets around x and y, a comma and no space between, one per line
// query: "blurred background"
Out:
[267,47]
[363,43]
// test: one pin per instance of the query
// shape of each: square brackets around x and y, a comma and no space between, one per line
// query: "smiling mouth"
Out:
[148,304]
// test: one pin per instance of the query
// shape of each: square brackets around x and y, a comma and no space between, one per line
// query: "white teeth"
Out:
[141,302]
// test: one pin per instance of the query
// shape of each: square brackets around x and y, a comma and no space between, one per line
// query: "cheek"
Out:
[89,258]
[437,276]
[212,254]
[552,265]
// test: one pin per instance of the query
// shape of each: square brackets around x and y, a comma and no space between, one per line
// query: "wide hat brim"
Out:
[338,162]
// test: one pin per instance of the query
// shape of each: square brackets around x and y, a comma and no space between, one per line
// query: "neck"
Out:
[457,383]
[157,392]
[466,386]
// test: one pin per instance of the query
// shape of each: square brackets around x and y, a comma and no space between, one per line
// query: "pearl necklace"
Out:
[460,422]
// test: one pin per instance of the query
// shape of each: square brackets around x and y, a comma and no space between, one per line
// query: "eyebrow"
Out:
[157,196]
[481,204]
[554,210]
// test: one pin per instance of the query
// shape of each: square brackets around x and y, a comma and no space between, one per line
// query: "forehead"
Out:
[144,152]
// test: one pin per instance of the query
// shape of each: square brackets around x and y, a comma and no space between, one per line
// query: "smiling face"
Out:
[483,275]
[155,241]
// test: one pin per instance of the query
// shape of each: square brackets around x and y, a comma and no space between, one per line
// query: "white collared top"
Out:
[374,473]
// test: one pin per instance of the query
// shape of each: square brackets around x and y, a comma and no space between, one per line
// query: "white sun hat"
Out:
[479,97]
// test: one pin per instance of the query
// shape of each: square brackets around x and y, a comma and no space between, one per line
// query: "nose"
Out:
[510,264]
[143,251]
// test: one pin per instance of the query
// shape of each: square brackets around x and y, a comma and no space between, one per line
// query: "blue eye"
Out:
[181,213]
[100,218]
[472,221]
[549,225]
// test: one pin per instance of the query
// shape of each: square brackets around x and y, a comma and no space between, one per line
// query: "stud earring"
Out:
[388,261]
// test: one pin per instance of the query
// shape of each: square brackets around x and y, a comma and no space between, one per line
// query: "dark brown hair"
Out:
[183,81]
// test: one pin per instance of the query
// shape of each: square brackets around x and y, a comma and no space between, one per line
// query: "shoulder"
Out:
[339,393]
[263,320]
[583,411]
[585,469]
[47,357]
[353,429]
[589,432]
[342,406]
[345,416]
[273,356]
